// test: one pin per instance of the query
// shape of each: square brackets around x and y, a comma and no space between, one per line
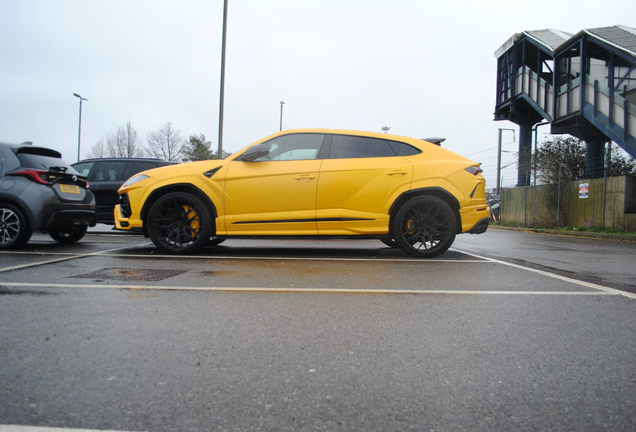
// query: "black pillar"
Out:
[525,154]
[595,159]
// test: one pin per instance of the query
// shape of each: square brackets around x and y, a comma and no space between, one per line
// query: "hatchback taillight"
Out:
[42,177]
[48,177]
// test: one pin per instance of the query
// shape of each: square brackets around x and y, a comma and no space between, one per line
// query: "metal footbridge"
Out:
[583,85]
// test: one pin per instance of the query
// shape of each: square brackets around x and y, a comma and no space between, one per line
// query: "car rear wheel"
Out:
[14,229]
[68,235]
[179,223]
[390,242]
[424,227]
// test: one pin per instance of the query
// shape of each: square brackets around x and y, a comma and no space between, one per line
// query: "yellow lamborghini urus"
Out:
[409,193]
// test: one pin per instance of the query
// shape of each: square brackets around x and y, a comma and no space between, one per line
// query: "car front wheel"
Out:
[214,241]
[14,229]
[69,235]
[424,227]
[179,223]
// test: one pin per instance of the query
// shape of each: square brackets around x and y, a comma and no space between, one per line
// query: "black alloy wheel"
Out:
[68,235]
[14,229]
[179,223]
[424,227]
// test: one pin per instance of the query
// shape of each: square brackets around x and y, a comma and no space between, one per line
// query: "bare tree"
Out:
[165,143]
[124,143]
[98,150]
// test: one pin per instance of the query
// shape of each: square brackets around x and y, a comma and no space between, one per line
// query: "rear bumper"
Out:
[72,218]
[480,227]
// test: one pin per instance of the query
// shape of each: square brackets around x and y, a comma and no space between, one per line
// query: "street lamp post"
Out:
[281,115]
[535,128]
[499,158]
[79,132]
[219,152]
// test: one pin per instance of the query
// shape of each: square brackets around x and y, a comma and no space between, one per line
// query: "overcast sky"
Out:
[423,68]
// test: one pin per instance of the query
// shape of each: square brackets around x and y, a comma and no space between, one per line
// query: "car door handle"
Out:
[397,172]
[305,177]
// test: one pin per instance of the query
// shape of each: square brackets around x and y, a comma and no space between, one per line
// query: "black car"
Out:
[106,175]
[41,192]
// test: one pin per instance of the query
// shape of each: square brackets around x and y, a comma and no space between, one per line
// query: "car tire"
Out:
[424,227]
[390,242]
[14,228]
[68,235]
[179,223]
[214,241]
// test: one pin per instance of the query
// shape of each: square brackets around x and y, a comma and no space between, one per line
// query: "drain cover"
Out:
[125,274]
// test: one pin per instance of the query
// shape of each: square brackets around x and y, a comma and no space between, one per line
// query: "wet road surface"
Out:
[507,331]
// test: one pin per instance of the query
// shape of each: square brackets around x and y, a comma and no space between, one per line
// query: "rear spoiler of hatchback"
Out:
[42,151]
[435,140]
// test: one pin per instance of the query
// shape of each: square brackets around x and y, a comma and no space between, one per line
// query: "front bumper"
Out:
[125,223]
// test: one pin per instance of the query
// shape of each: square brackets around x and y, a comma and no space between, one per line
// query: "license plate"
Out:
[69,188]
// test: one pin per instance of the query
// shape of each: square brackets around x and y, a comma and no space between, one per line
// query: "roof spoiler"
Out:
[435,140]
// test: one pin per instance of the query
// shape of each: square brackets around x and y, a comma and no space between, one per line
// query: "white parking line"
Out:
[16,428]
[66,258]
[479,259]
[302,290]
[249,258]
[555,276]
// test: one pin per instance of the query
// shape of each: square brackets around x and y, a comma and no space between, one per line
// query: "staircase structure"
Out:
[583,85]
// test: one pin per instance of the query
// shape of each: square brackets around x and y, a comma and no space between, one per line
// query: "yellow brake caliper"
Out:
[194,222]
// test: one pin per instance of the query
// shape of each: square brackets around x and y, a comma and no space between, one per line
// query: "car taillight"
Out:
[45,177]
[474,170]
[42,177]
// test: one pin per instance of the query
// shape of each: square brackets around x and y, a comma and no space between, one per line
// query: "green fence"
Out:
[604,203]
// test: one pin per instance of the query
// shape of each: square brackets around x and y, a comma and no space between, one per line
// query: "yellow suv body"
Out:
[408,192]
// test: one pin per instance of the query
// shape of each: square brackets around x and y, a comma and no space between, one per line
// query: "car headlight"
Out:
[134,179]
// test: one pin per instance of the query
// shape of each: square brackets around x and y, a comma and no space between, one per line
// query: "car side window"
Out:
[139,166]
[293,147]
[402,149]
[111,171]
[349,147]
[84,169]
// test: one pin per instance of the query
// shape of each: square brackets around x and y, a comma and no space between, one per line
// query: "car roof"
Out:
[109,159]
[368,134]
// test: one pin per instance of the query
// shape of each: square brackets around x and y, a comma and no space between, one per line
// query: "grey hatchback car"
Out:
[41,192]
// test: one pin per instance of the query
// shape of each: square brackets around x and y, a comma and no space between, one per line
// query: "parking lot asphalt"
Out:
[506,331]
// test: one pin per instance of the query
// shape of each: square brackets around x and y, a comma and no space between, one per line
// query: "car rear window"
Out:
[42,158]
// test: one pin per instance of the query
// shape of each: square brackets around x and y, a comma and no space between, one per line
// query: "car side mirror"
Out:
[255,152]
